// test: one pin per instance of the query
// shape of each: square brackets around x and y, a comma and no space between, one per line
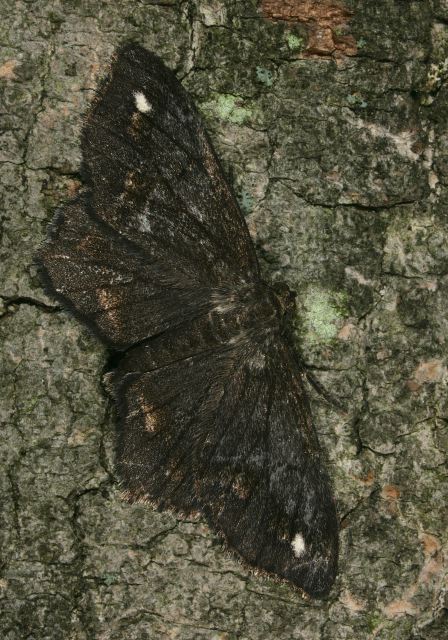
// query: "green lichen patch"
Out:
[361,43]
[228,107]
[355,100]
[264,76]
[294,42]
[246,201]
[324,311]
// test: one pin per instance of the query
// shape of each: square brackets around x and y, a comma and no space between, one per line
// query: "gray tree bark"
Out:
[331,123]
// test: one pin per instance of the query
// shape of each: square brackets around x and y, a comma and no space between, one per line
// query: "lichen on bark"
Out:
[341,166]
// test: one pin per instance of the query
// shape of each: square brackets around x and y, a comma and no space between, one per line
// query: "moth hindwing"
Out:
[155,256]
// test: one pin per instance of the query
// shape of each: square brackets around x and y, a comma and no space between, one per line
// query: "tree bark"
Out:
[330,119]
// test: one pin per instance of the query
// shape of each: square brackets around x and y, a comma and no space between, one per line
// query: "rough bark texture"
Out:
[341,165]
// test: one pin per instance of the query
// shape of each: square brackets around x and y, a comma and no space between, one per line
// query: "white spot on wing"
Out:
[141,102]
[144,223]
[298,545]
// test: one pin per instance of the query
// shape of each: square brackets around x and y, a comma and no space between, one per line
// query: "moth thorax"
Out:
[279,302]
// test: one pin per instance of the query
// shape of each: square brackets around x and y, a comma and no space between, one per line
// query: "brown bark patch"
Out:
[347,331]
[352,603]
[325,20]
[434,561]
[7,69]
[432,569]
[430,371]
[431,544]
[390,492]
[399,608]
[367,480]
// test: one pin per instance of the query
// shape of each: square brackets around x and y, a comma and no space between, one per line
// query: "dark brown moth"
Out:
[155,256]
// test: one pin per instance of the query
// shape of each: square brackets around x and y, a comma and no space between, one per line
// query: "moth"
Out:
[154,255]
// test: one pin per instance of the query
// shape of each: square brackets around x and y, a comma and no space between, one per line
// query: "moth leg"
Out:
[322,391]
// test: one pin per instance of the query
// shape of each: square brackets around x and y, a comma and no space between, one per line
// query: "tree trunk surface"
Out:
[330,120]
